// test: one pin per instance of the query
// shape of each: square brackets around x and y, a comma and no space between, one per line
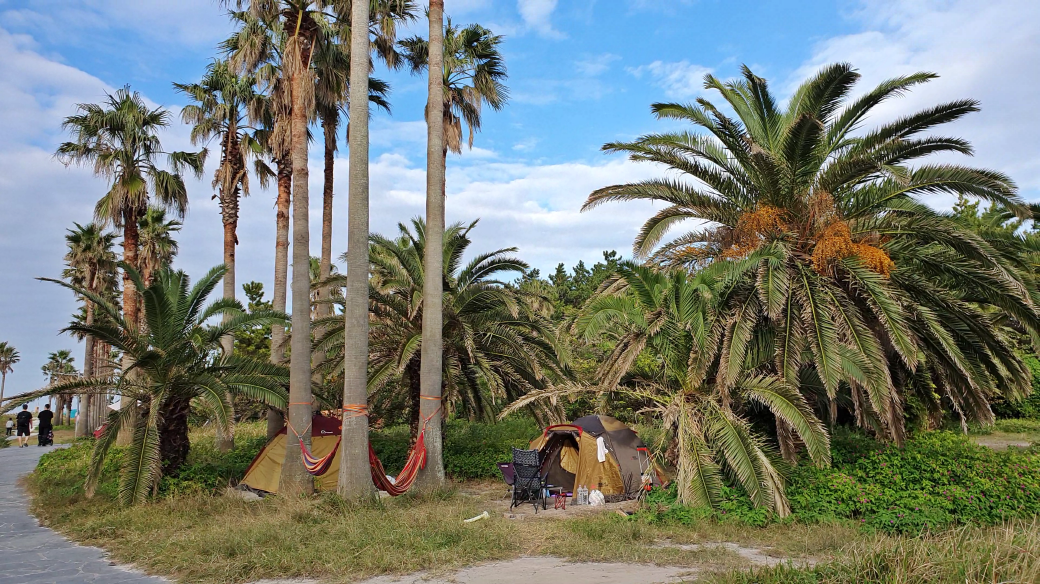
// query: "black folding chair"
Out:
[528,484]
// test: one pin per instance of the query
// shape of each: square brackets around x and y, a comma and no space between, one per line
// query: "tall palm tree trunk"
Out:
[130,306]
[323,308]
[329,125]
[294,475]
[432,477]
[3,382]
[84,418]
[355,480]
[229,215]
[275,418]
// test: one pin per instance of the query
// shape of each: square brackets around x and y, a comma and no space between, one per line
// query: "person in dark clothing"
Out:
[23,420]
[44,436]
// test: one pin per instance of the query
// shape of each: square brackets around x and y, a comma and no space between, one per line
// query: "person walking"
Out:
[24,420]
[10,426]
[44,436]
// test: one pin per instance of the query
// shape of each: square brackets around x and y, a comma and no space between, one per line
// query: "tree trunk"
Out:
[322,308]
[3,382]
[130,308]
[325,270]
[412,373]
[295,478]
[229,214]
[173,433]
[84,419]
[432,476]
[355,480]
[275,418]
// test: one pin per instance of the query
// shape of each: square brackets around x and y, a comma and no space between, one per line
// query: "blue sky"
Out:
[581,73]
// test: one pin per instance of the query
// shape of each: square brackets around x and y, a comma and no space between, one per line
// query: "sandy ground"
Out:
[532,570]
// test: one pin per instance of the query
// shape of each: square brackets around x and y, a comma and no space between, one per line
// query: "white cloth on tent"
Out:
[601,449]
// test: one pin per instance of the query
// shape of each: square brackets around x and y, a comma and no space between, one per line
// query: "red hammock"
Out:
[416,458]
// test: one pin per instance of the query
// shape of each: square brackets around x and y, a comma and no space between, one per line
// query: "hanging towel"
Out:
[601,449]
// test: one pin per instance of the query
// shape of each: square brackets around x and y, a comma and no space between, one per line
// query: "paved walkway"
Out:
[30,554]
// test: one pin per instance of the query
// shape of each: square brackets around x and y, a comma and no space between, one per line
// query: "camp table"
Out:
[559,497]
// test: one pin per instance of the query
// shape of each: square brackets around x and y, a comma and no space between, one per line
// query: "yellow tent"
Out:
[265,471]
[597,452]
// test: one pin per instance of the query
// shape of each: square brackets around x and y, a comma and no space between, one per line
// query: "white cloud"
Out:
[526,145]
[679,80]
[982,49]
[537,14]
[191,22]
[596,64]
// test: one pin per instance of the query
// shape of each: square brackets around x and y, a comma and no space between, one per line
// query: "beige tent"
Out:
[572,454]
[265,471]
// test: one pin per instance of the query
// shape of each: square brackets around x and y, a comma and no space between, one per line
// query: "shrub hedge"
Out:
[938,479]
[471,449]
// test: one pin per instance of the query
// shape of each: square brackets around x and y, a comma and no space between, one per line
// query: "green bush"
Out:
[937,480]
[1028,408]
[208,470]
[471,449]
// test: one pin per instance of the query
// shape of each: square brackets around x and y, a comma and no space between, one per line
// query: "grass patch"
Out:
[969,554]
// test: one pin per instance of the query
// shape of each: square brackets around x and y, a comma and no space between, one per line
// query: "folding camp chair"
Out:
[528,484]
[508,475]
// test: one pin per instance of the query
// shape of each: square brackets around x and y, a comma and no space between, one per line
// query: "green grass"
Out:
[968,555]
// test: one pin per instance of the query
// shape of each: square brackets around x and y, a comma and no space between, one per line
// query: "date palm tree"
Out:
[178,359]
[673,317]
[9,357]
[91,265]
[863,294]
[496,346]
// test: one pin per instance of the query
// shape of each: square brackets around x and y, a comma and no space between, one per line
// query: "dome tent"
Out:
[572,456]
[265,472]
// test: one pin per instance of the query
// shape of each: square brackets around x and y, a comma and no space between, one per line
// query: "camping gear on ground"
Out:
[322,459]
[596,498]
[508,475]
[582,496]
[529,484]
[571,457]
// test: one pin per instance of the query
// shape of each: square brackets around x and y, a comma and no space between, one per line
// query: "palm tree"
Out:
[59,367]
[496,346]
[119,140]
[158,247]
[224,105]
[179,360]
[862,293]
[431,373]
[9,357]
[672,316]
[256,49]
[92,266]
[474,73]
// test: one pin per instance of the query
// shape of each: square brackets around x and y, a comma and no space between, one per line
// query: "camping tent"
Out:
[265,471]
[596,450]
